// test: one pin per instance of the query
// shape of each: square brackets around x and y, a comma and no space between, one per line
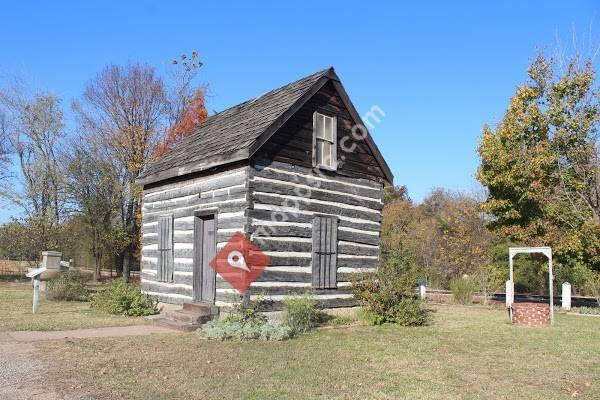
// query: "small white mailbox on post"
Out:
[35,275]
[51,259]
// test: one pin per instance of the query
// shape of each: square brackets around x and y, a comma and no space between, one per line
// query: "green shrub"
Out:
[578,275]
[406,312]
[592,285]
[463,289]
[412,312]
[245,323]
[300,313]
[389,295]
[247,315]
[124,299]
[586,310]
[227,329]
[69,286]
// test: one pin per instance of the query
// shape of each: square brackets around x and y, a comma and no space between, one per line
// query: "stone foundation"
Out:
[531,314]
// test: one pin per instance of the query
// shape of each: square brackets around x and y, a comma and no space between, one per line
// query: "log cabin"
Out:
[296,171]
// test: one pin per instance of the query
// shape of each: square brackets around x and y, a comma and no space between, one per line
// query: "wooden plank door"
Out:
[204,251]
[324,255]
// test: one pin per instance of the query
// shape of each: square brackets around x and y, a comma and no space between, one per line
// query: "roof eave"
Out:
[190,168]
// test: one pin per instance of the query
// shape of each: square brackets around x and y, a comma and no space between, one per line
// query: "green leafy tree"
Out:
[540,164]
[25,239]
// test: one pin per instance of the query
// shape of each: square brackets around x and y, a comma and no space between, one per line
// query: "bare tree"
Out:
[94,190]
[187,102]
[33,127]
[181,88]
[127,110]
[4,152]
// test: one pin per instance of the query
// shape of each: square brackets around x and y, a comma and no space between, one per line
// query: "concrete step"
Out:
[178,325]
[200,307]
[189,317]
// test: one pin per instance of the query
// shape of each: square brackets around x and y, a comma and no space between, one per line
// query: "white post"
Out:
[510,287]
[422,292]
[510,297]
[551,279]
[566,296]
[510,293]
[35,275]
[36,293]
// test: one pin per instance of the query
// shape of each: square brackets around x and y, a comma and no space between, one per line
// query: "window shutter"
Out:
[165,248]
[324,256]
[333,231]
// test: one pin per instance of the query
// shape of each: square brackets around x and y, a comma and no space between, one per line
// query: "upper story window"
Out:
[324,141]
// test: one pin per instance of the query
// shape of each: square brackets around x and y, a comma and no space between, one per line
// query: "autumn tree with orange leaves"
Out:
[191,117]
[187,106]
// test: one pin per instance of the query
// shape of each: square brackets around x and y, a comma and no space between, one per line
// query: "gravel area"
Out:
[22,377]
[23,374]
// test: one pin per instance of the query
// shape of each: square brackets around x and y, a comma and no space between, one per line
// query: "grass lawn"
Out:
[469,353]
[16,315]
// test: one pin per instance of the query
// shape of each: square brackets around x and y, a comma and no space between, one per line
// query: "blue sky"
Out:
[439,70]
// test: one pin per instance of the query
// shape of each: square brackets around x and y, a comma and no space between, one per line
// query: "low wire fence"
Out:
[13,270]
[445,296]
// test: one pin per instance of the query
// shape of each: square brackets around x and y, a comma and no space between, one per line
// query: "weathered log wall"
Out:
[284,199]
[226,192]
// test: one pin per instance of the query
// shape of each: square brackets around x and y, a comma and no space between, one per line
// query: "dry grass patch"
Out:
[469,353]
[16,315]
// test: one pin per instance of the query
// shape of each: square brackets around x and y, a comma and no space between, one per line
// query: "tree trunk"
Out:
[98,269]
[126,264]
[119,263]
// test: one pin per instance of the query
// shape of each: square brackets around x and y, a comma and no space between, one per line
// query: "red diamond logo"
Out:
[240,262]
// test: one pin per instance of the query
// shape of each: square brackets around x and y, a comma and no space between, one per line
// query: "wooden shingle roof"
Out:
[236,133]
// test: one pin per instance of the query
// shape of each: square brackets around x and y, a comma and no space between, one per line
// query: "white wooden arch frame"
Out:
[547,251]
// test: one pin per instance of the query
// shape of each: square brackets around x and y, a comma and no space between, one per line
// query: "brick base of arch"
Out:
[531,314]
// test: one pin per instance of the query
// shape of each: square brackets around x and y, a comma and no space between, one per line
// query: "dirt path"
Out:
[114,331]
[23,376]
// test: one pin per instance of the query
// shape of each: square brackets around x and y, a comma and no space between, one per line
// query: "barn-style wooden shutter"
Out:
[165,248]
[324,255]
